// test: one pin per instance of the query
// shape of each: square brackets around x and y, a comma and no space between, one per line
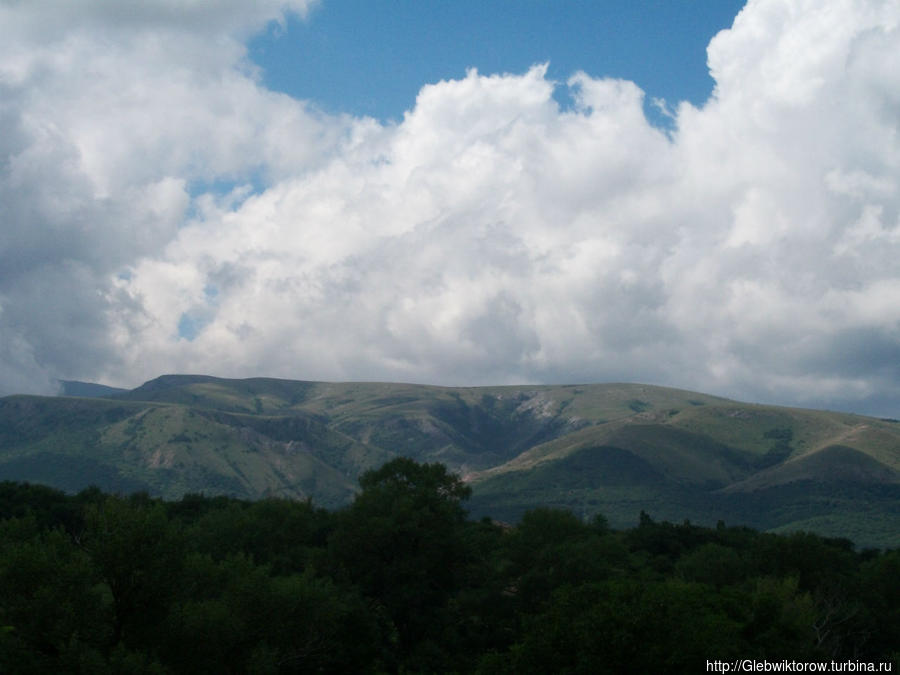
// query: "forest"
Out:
[403,580]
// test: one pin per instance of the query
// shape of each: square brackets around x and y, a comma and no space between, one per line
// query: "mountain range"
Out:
[612,449]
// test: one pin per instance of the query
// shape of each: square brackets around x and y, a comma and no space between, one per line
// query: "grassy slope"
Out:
[167,449]
[614,448]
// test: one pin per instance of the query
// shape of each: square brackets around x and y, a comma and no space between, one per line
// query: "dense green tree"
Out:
[779,621]
[283,534]
[402,542]
[49,507]
[713,564]
[138,553]
[52,607]
[235,617]
[879,596]
[402,581]
[624,626]
[550,548]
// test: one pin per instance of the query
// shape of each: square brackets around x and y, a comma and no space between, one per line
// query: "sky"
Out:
[695,194]
[371,57]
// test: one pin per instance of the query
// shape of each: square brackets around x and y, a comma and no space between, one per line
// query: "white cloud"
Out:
[111,112]
[487,237]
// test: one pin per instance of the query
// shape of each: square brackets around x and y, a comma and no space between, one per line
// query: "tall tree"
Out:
[402,542]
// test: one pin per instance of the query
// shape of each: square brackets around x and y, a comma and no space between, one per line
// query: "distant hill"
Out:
[615,449]
[88,389]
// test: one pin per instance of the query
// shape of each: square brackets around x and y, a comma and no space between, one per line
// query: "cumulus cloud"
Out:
[488,237]
[111,113]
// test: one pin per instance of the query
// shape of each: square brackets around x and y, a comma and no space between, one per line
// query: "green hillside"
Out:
[614,449]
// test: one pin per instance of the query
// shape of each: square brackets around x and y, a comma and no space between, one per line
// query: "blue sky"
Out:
[371,57]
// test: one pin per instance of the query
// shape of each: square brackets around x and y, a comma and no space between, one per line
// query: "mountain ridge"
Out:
[615,448]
